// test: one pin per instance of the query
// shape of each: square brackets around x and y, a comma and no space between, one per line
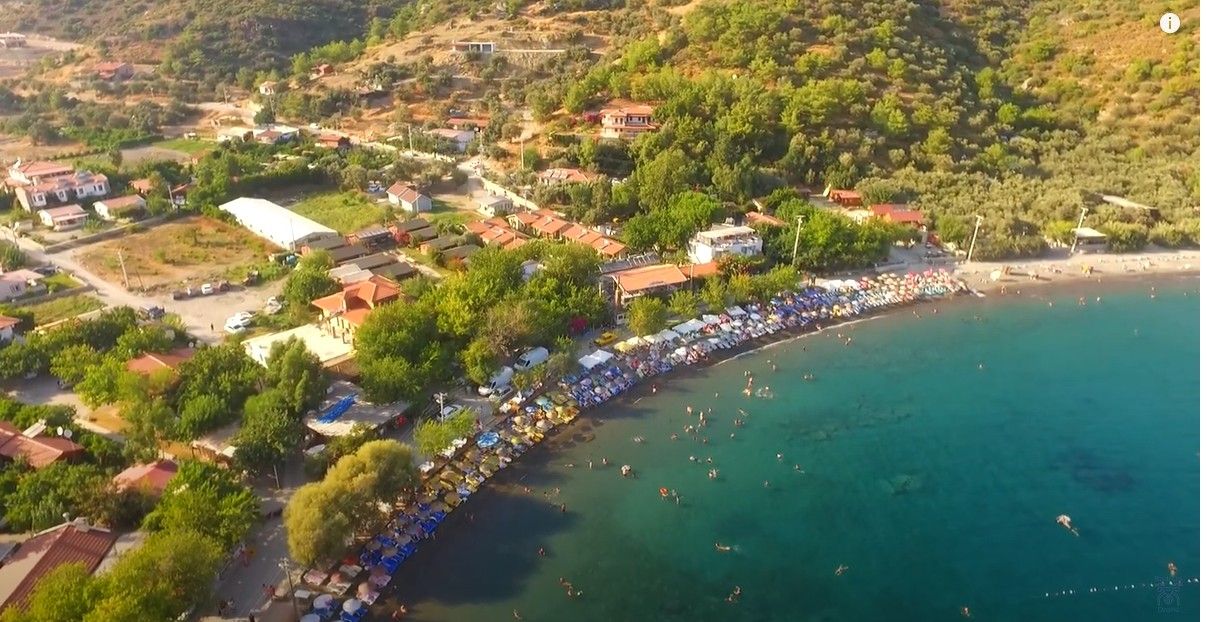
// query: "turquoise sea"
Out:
[935,452]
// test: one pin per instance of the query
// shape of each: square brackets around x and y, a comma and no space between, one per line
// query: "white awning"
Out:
[712,320]
[603,356]
[589,361]
[654,338]
[668,335]
[735,311]
[689,326]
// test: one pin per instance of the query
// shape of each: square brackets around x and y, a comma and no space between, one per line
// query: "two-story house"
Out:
[345,311]
[46,184]
[707,246]
[626,122]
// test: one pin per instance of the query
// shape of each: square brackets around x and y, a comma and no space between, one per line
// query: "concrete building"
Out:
[63,218]
[494,205]
[45,184]
[707,246]
[1087,240]
[274,223]
[626,122]
[17,283]
[330,350]
[76,542]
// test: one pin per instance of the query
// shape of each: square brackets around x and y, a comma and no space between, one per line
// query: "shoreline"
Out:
[1079,269]
[582,428]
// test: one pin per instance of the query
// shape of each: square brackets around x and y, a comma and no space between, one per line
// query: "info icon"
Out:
[1170,23]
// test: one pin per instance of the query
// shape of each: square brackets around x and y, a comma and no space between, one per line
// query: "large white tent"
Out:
[272,222]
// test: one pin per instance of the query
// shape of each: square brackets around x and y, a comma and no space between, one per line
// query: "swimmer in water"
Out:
[796,468]
[674,437]
[779,457]
[734,595]
[840,570]
[964,611]
[766,484]
[1173,570]
[723,548]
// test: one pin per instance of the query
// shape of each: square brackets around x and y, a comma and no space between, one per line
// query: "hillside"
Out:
[199,38]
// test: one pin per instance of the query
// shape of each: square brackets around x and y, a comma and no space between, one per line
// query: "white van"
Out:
[500,381]
[532,358]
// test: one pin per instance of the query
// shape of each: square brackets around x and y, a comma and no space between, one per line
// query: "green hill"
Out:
[198,38]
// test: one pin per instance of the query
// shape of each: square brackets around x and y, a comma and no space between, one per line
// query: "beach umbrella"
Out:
[352,605]
[323,601]
[364,589]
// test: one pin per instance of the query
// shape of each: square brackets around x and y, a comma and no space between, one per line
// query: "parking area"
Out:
[205,315]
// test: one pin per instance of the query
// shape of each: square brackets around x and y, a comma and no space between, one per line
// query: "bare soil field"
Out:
[191,250]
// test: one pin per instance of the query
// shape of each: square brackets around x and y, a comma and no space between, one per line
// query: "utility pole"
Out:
[975,231]
[440,397]
[410,139]
[122,262]
[1080,221]
[800,218]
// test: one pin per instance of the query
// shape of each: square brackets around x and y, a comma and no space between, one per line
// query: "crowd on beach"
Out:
[527,418]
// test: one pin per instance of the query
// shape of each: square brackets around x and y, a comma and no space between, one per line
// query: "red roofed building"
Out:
[152,362]
[408,198]
[646,280]
[69,543]
[759,218]
[461,123]
[899,214]
[38,451]
[114,70]
[344,312]
[333,141]
[8,328]
[626,121]
[41,184]
[151,478]
[845,198]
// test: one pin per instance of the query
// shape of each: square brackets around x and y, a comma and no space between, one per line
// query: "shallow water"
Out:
[934,454]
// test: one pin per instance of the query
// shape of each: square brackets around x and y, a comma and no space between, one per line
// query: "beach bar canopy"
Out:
[668,335]
[735,311]
[711,320]
[690,326]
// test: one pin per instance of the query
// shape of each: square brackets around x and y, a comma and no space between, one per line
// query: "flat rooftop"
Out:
[330,350]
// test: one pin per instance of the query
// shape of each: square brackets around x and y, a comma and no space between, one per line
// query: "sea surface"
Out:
[934,453]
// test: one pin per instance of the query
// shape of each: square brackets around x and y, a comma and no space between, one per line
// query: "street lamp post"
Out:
[284,564]
[440,397]
[800,218]
[1080,221]
[975,231]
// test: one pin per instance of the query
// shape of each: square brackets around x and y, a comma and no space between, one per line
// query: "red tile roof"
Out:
[700,270]
[154,361]
[38,451]
[152,477]
[141,185]
[404,192]
[898,214]
[550,225]
[649,277]
[357,299]
[6,322]
[753,218]
[66,211]
[42,168]
[48,550]
[132,200]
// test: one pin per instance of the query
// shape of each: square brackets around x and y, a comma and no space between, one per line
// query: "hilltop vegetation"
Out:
[202,38]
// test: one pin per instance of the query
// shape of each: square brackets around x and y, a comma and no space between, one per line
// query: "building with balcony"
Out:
[42,184]
[626,122]
[708,246]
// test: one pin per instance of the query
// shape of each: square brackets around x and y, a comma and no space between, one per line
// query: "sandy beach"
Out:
[1076,269]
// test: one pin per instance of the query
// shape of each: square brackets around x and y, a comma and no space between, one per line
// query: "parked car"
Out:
[605,338]
[151,312]
[273,306]
[207,289]
[224,286]
[532,358]
[238,323]
[498,382]
[47,270]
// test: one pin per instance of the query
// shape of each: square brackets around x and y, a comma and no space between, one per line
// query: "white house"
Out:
[119,207]
[268,87]
[41,184]
[459,139]
[63,218]
[710,245]
[408,198]
[8,326]
[17,283]
[495,205]
[272,222]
